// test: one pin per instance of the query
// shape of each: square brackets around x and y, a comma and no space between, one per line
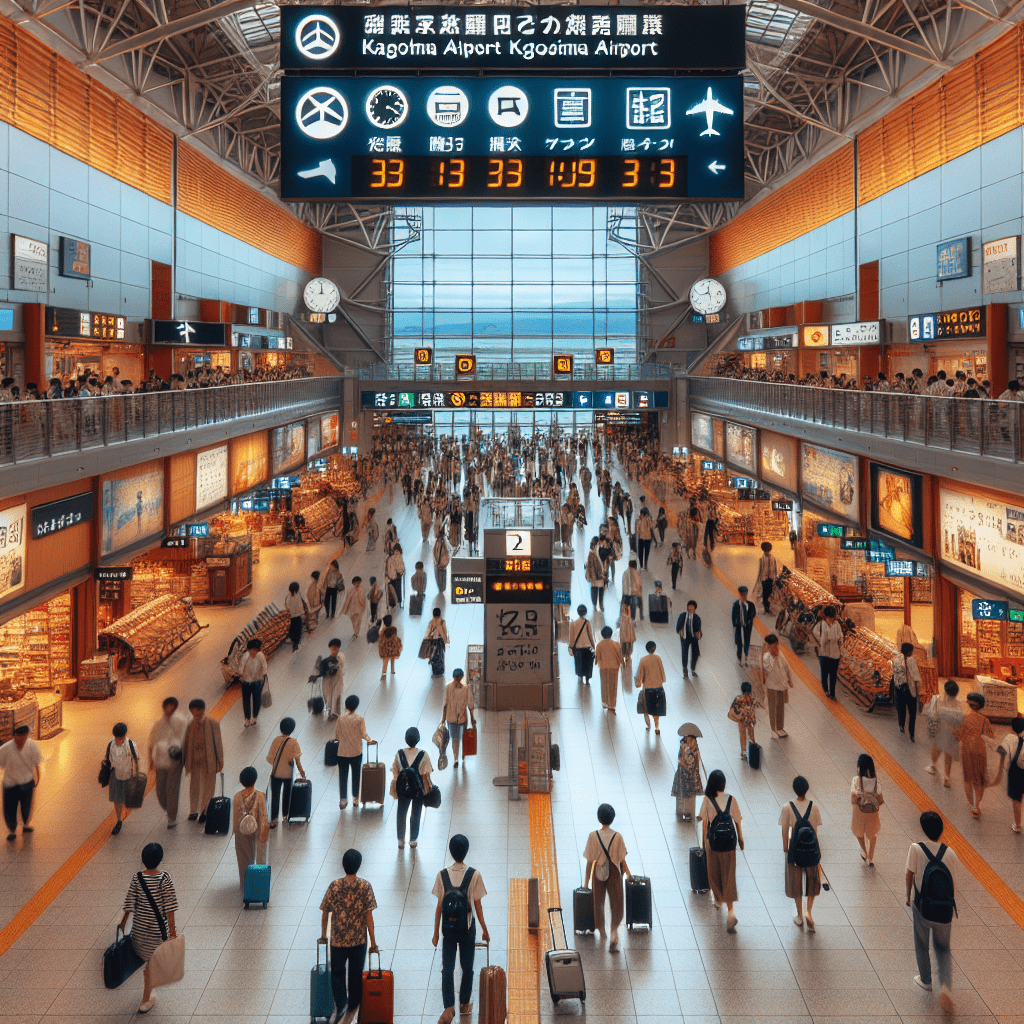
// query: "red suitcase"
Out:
[378,1004]
[469,742]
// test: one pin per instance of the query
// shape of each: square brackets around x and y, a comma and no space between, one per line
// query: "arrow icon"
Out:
[324,169]
[714,167]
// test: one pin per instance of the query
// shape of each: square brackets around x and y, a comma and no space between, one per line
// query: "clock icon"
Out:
[387,107]
[707,296]
[321,295]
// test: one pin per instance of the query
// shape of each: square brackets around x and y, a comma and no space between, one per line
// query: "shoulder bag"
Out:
[106,770]
[604,869]
[167,964]
[266,698]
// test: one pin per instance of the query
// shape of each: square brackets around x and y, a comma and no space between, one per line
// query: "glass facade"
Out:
[513,284]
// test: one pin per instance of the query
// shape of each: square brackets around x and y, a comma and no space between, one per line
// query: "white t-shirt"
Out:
[708,812]
[19,765]
[613,842]
[865,785]
[917,862]
[476,890]
[295,605]
[1009,745]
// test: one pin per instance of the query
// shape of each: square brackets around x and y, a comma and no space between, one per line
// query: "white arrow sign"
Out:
[714,167]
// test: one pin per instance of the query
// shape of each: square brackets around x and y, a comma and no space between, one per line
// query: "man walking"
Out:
[608,659]
[932,870]
[743,614]
[202,755]
[164,751]
[688,628]
[459,890]
[20,759]
[633,588]
[777,681]
[828,639]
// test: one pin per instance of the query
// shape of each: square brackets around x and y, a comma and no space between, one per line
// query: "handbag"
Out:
[106,770]
[641,702]
[425,648]
[604,869]
[432,798]
[266,698]
[167,964]
[120,961]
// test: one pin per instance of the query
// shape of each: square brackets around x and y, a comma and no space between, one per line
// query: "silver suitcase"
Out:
[564,967]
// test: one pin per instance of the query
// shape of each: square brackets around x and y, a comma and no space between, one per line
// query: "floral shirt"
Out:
[349,902]
[744,707]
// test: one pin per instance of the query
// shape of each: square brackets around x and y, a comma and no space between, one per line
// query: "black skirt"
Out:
[655,696]
[583,658]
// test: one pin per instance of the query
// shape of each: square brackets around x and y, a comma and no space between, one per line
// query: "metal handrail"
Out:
[515,371]
[972,426]
[41,430]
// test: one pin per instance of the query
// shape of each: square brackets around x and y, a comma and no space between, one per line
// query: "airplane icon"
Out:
[325,169]
[185,331]
[709,107]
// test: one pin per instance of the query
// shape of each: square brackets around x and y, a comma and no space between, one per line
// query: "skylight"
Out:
[260,24]
[768,24]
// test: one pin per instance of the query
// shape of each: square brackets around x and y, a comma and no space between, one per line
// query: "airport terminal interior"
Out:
[621,405]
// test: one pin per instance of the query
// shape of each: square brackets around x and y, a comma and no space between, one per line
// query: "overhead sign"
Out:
[410,401]
[79,323]
[517,543]
[116,573]
[814,336]
[953,323]
[472,137]
[189,332]
[830,530]
[31,260]
[953,259]
[439,38]
[175,542]
[900,567]
[991,610]
[55,516]
[75,258]
[863,333]
[604,356]
[1001,265]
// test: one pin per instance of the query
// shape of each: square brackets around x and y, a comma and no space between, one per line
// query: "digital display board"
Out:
[954,323]
[423,400]
[189,332]
[439,38]
[997,610]
[854,544]
[78,323]
[896,504]
[900,568]
[830,530]
[463,137]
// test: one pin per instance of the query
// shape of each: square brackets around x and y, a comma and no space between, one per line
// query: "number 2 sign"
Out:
[517,542]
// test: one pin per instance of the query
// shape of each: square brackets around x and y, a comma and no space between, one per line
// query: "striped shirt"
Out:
[146,932]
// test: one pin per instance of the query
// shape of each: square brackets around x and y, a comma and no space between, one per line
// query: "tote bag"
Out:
[167,964]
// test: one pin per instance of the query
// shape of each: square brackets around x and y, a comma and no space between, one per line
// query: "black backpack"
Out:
[455,905]
[934,897]
[722,830]
[409,784]
[804,851]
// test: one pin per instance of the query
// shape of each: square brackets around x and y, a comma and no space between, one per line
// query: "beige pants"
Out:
[200,790]
[609,686]
[248,851]
[777,709]
[168,786]
[612,885]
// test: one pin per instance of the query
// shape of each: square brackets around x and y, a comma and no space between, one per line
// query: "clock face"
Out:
[707,296]
[387,107]
[321,295]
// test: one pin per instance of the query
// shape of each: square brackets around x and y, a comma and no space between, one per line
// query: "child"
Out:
[675,561]
[419,580]
[375,595]
[743,712]
[686,784]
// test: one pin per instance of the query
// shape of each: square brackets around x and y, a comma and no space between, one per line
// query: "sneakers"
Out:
[931,769]
[343,804]
[192,817]
[926,985]
[1014,828]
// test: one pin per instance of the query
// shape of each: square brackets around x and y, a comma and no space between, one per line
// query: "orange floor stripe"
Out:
[969,856]
[521,963]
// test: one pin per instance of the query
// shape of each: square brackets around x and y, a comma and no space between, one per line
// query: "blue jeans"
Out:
[404,803]
[455,732]
[943,957]
[465,948]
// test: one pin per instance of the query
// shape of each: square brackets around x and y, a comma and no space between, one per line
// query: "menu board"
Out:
[779,460]
[896,504]
[12,549]
[829,480]
[701,433]
[211,477]
[983,537]
[741,446]
[288,447]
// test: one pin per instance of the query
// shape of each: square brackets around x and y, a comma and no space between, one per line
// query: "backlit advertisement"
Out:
[12,549]
[328,431]
[778,460]
[896,504]
[248,462]
[829,480]
[983,537]
[133,508]
[741,446]
[287,447]
[701,433]
[211,477]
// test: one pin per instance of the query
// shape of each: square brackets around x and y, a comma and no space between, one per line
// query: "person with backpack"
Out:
[459,890]
[932,870]
[1012,750]
[409,784]
[250,824]
[866,797]
[906,678]
[800,821]
[123,759]
[605,854]
[722,832]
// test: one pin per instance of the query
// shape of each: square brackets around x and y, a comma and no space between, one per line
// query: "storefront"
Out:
[770,352]
[261,352]
[80,342]
[848,350]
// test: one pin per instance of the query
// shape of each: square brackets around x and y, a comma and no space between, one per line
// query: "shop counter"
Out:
[16,713]
[865,667]
[50,716]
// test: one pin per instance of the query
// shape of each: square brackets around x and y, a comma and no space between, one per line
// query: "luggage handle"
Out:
[222,784]
[327,955]
[372,743]
[487,946]
[370,973]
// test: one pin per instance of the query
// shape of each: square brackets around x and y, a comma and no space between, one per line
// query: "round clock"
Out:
[321,295]
[707,296]
[387,107]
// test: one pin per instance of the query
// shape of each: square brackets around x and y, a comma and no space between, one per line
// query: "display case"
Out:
[50,715]
[35,648]
[16,713]
[142,639]
[270,627]
[96,679]
[865,667]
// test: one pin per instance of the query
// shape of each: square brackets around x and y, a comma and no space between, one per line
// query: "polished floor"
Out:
[253,965]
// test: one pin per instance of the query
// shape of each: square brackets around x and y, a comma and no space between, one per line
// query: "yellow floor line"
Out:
[969,856]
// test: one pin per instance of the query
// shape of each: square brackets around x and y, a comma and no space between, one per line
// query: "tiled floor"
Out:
[253,966]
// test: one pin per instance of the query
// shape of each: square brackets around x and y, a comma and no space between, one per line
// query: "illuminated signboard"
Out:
[465,365]
[854,544]
[189,332]
[815,336]
[604,356]
[411,401]
[954,323]
[953,259]
[561,366]
[830,530]
[997,610]
[900,568]
[864,333]
[76,323]
[423,356]
[782,505]
[468,137]
[75,259]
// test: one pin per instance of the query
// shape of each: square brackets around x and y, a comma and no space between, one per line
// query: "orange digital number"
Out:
[515,173]
[495,173]
[588,173]
[631,174]
[378,173]
[666,173]
[451,173]
[396,173]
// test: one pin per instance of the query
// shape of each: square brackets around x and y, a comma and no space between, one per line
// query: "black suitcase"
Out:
[639,902]
[582,910]
[416,604]
[657,607]
[300,805]
[698,869]
[753,754]
[218,813]
[331,754]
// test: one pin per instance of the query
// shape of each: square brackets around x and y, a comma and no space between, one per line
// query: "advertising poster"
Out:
[983,537]
[778,460]
[12,549]
[328,431]
[288,448]
[248,462]
[211,477]
[133,508]
[701,434]
[741,446]
[312,438]
[896,503]
[829,480]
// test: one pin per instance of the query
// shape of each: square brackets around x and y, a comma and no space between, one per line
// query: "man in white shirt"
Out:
[917,863]
[20,759]
[459,935]
[1012,393]
[777,681]
[164,750]
[828,639]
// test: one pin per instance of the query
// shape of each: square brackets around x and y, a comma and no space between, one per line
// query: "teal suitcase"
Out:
[321,995]
[257,885]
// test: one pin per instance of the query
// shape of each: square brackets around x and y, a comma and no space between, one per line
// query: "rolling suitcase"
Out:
[378,1005]
[698,869]
[218,813]
[257,885]
[563,965]
[315,704]
[657,607]
[331,754]
[300,804]
[321,995]
[493,992]
[639,902]
[754,754]
[469,742]
[416,604]
[372,780]
[582,910]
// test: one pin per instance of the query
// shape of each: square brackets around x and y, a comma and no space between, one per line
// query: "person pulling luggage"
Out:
[605,854]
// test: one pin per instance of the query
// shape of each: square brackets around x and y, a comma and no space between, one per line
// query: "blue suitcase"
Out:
[257,885]
[321,995]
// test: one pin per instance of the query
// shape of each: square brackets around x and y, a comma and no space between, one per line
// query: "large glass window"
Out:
[513,284]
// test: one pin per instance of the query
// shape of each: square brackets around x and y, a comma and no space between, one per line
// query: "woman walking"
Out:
[743,711]
[124,762]
[973,752]
[410,800]
[296,608]
[595,575]
[581,646]
[314,601]
[437,638]
[686,784]
[389,646]
[906,678]
[253,674]
[350,731]
[458,707]
[354,605]
[866,797]
[675,561]
[372,529]
[332,584]
[150,887]
[650,679]
[442,557]
[284,755]
[608,658]
[722,832]
[627,629]
[944,721]
[605,854]
[249,823]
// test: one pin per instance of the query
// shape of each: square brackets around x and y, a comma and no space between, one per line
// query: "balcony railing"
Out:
[969,425]
[40,430]
[515,371]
